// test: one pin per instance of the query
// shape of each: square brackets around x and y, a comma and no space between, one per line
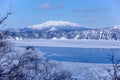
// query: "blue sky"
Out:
[88,13]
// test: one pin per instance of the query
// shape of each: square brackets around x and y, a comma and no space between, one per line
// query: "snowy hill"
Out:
[54,24]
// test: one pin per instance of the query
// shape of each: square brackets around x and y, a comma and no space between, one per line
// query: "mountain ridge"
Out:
[65,32]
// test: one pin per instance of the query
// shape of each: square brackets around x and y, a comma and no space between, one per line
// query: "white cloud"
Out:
[50,6]
[46,6]
[92,10]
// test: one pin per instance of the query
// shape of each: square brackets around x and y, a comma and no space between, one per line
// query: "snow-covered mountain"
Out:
[64,30]
[54,24]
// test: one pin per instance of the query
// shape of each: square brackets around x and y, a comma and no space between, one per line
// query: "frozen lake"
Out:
[87,51]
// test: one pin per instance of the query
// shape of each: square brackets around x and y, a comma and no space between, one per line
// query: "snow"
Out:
[62,38]
[54,38]
[16,38]
[53,29]
[55,24]
[82,70]
[76,37]
[69,43]
[116,27]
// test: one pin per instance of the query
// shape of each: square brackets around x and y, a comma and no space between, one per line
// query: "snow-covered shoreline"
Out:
[69,43]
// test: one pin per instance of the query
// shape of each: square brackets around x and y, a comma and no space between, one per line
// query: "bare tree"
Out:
[6,49]
[36,69]
[4,18]
[115,71]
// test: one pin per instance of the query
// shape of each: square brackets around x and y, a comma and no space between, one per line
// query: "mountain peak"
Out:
[54,24]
